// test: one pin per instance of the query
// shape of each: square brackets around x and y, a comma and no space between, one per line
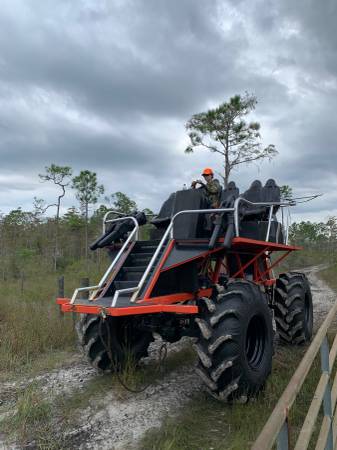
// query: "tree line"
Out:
[320,235]
[31,239]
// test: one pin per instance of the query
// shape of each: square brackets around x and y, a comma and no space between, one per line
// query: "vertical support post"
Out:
[60,283]
[283,437]
[60,291]
[22,276]
[269,222]
[327,394]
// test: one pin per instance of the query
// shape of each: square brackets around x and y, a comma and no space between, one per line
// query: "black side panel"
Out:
[165,213]
[179,279]
[258,231]
[190,226]
[181,253]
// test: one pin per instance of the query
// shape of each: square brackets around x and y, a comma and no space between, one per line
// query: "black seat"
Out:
[188,225]
[255,195]
[254,219]
[271,193]
[229,195]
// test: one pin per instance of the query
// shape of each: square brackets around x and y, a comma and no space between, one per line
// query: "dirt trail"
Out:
[323,296]
[119,423]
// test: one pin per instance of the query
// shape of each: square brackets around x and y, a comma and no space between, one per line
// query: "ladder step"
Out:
[142,255]
[153,242]
[144,249]
[125,284]
[134,269]
[140,261]
[132,276]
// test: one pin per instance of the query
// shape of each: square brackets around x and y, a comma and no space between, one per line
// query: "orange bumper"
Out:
[127,311]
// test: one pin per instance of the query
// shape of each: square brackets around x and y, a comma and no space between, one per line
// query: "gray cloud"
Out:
[108,86]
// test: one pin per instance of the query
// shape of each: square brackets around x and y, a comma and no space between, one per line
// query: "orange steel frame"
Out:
[259,251]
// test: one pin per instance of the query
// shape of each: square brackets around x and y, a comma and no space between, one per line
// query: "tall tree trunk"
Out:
[56,248]
[227,163]
[86,234]
[56,233]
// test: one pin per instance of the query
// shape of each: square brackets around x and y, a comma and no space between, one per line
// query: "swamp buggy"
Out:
[205,273]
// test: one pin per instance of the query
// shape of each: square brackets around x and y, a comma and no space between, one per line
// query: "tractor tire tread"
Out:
[293,308]
[221,364]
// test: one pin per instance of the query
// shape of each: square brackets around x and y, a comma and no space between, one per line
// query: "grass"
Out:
[31,420]
[305,258]
[31,325]
[33,333]
[30,331]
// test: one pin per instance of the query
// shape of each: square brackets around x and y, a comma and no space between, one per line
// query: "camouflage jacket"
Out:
[213,191]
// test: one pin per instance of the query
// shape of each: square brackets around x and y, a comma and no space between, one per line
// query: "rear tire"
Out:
[127,341]
[236,341]
[293,308]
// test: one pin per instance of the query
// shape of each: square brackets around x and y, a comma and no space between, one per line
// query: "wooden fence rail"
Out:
[276,429]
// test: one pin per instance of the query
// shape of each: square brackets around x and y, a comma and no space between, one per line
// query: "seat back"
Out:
[189,226]
[229,195]
[271,193]
[253,194]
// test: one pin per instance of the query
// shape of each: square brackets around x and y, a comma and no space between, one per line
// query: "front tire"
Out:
[293,308]
[127,342]
[236,341]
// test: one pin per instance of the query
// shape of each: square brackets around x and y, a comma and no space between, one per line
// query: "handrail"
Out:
[270,205]
[276,427]
[111,211]
[114,262]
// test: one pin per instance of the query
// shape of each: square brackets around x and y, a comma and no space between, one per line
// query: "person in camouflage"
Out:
[211,185]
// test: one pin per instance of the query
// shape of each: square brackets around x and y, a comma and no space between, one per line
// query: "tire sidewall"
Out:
[307,303]
[253,375]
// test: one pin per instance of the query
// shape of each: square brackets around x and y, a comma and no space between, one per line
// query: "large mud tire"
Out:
[127,342]
[235,346]
[293,308]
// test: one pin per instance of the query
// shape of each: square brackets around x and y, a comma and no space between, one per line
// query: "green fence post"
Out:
[60,291]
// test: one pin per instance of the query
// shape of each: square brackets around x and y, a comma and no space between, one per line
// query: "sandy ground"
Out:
[323,297]
[120,421]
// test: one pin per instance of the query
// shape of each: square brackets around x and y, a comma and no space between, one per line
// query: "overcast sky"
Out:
[108,86]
